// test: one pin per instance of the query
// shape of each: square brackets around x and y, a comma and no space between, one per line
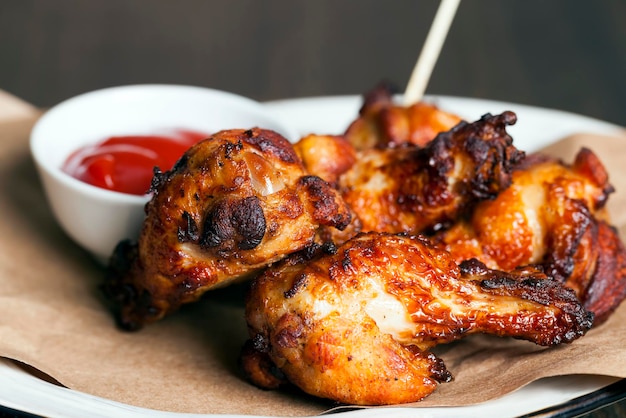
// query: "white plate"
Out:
[536,127]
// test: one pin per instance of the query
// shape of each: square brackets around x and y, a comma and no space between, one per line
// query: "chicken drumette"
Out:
[231,205]
[412,189]
[355,324]
[553,215]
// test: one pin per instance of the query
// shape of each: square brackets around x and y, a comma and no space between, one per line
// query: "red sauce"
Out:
[125,163]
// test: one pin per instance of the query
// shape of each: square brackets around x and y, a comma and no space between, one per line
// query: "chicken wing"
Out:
[355,324]
[411,189]
[232,204]
[553,215]
[383,124]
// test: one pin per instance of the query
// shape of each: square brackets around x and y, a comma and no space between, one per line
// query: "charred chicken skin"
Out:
[412,189]
[355,324]
[552,215]
[233,204]
[384,124]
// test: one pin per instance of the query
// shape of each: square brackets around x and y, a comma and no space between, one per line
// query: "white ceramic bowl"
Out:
[96,218]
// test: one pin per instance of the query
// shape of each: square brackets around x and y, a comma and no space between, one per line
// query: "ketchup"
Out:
[126,163]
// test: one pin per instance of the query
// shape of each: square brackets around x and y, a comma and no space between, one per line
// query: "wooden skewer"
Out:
[430,51]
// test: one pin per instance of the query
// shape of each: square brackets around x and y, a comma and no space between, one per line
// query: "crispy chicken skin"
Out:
[355,324]
[233,204]
[383,124]
[552,215]
[412,189]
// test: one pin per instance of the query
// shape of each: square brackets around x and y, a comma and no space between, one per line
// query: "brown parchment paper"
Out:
[53,318]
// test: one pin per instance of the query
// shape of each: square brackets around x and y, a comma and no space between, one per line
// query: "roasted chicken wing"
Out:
[233,204]
[412,189]
[384,124]
[552,215]
[355,324]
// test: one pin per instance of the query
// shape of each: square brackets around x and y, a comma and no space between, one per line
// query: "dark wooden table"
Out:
[564,54]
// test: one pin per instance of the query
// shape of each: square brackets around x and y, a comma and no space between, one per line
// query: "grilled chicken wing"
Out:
[553,215]
[411,189]
[355,324]
[383,124]
[233,204]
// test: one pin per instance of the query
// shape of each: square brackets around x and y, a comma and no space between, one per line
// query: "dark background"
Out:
[566,54]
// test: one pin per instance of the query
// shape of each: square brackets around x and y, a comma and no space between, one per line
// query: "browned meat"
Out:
[412,189]
[233,204]
[355,324]
[552,215]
